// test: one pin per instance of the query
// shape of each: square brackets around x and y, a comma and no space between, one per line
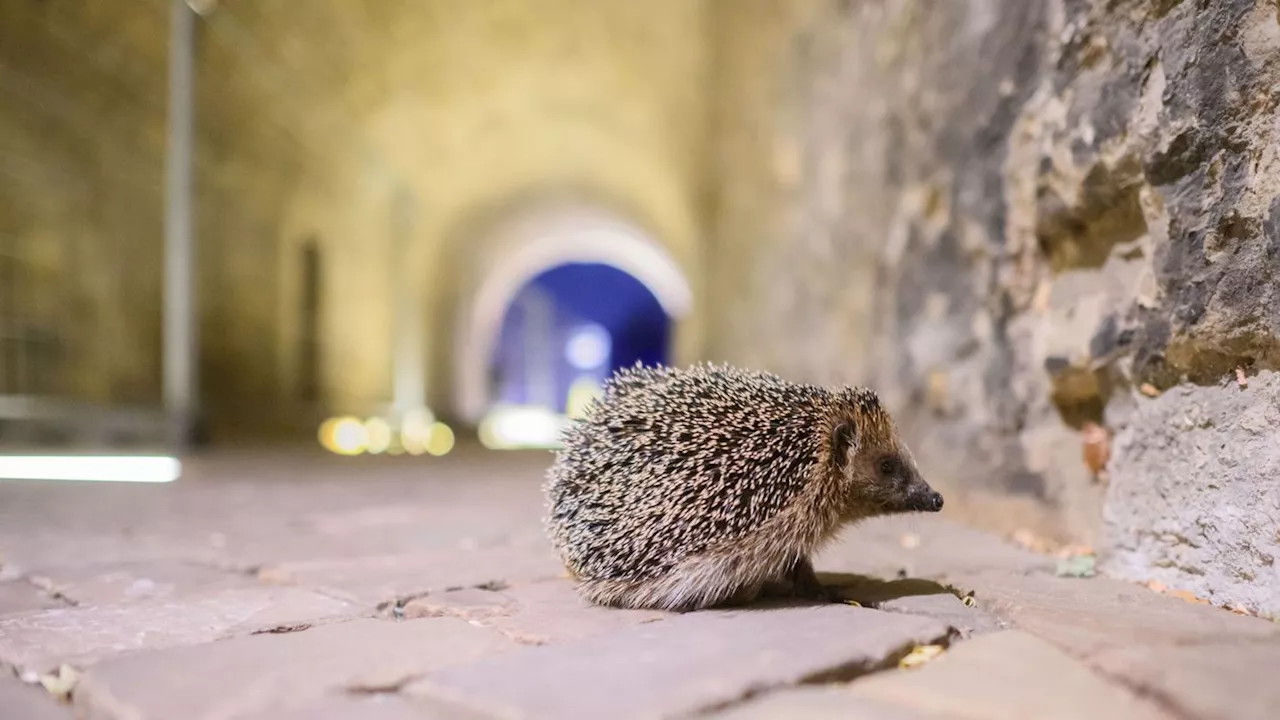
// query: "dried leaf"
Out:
[1079,566]
[1188,596]
[275,576]
[854,603]
[1097,447]
[1031,541]
[1044,292]
[61,683]
[920,655]
[938,391]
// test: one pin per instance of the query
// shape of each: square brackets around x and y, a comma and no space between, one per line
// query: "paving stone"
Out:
[471,603]
[111,583]
[1086,616]
[1008,675]
[695,661]
[372,581]
[20,596]
[937,548]
[20,701]
[913,597]
[534,613]
[967,621]
[1227,680]
[46,547]
[266,675]
[383,706]
[81,635]
[820,703]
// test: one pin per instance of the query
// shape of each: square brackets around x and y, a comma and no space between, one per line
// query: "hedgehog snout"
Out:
[923,498]
[933,501]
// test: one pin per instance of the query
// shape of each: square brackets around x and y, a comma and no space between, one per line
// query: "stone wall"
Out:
[1023,222]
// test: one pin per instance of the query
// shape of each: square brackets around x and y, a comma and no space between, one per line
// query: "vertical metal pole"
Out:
[408,367]
[180,381]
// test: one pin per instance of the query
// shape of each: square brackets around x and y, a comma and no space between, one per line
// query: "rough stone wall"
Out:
[1018,221]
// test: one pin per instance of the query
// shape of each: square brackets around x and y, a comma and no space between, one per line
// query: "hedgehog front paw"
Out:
[805,584]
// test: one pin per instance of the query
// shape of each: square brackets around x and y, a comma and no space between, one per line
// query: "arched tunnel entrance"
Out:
[568,329]
[553,301]
[564,333]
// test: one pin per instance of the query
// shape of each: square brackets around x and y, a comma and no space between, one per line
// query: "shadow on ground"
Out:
[872,592]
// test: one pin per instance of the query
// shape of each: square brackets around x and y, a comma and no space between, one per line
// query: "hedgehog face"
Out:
[896,483]
[879,474]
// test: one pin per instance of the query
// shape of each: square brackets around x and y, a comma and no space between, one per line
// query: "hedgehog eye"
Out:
[888,466]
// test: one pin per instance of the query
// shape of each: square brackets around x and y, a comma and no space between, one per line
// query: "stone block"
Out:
[928,548]
[367,707]
[1087,616]
[377,580]
[534,613]
[1194,500]
[268,675]
[21,701]
[78,636]
[113,583]
[19,596]
[696,661]
[1008,675]
[1224,679]
[821,703]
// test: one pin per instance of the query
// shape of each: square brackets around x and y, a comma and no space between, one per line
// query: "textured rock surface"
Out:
[1014,219]
[1195,497]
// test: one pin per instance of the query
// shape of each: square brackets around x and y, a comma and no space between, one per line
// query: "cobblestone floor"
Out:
[296,588]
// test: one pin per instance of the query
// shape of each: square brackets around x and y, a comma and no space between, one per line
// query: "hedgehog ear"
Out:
[843,436]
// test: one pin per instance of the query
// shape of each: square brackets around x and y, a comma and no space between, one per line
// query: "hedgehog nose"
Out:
[934,503]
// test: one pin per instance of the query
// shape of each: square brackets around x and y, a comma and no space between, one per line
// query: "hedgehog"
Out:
[683,489]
